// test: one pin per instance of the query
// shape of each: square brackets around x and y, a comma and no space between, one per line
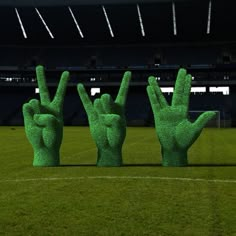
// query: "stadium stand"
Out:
[97,59]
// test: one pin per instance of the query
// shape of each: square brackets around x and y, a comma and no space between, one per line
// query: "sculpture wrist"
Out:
[175,158]
[46,157]
[109,157]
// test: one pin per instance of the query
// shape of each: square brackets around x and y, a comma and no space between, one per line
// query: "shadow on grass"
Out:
[124,165]
[213,165]
[190,165]
[142,165]
[155,165]
[77,165]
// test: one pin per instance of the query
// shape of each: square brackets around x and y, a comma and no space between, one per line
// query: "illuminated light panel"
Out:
[95,91]
[167,89]
[209,18]
[21,24]
[224,90]
[41,18]
[108,22]
[198,90]
[140,21]
[174,18]
[193,89]
[76,23]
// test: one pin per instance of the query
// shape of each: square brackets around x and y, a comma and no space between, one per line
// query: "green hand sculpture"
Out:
[175,132]
[44,121]
[107,123]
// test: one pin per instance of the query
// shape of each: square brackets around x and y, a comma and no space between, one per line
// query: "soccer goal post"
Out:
[215,122]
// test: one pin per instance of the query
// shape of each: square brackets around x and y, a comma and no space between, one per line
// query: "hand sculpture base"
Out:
[46,157]
[174,158]
[109,158]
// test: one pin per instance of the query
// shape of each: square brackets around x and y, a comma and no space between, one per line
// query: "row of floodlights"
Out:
[93,79]
[201,90]
[222,89]
[108,21]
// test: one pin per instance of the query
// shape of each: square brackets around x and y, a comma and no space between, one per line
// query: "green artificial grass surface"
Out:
[140,198]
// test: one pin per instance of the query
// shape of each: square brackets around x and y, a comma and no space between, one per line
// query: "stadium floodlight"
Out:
[224,90]
[209,18]
[140,21]
[76,23]
[44,23]
[174,18]
[167,90]
[94,91]
[21,24]
[198,90]
[108,22]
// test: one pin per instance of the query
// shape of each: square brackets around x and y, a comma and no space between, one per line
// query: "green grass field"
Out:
[140,198]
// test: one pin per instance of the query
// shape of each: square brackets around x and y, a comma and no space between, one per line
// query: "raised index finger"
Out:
[43,89]
[122,94]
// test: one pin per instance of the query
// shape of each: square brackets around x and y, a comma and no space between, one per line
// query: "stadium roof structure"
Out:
[77,2]
[95,22]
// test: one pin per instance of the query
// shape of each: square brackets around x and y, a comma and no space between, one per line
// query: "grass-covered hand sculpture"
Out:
[175,132]
[107,122]
[44,121]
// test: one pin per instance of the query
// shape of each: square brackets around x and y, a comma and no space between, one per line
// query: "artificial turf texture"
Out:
[74,203]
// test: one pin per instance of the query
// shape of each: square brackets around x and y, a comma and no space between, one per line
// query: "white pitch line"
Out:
[121,177]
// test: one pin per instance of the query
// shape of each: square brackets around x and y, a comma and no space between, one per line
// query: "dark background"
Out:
[210,58]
